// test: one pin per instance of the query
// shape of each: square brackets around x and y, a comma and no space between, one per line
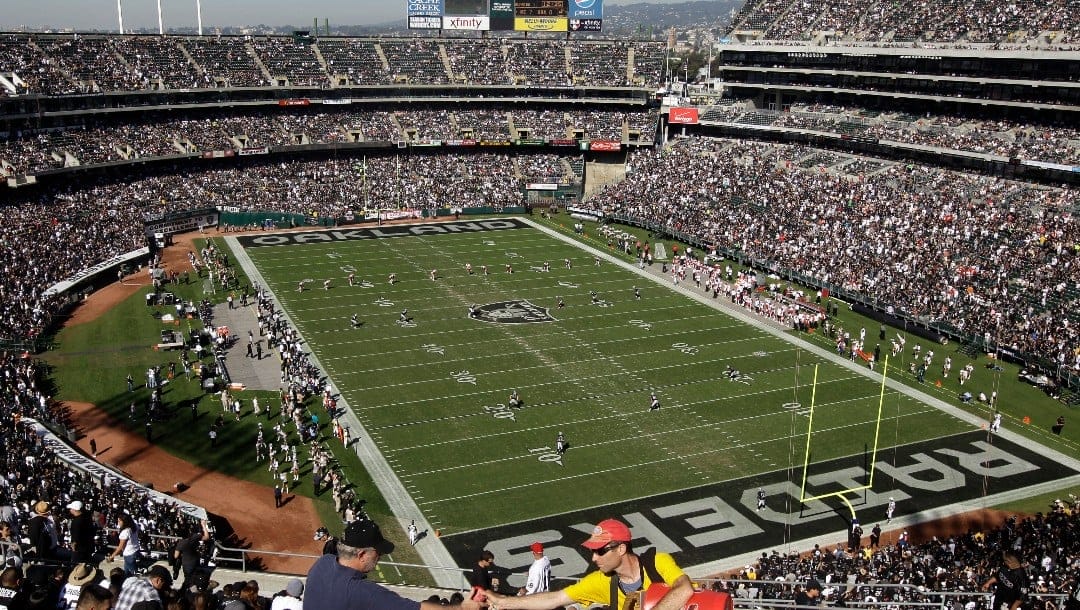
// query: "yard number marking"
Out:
[547,454]
[796,407]
[500,411]
[684,348]
[463,377]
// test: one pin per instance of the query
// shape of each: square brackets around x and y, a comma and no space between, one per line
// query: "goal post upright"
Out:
[843,493]
[809,432]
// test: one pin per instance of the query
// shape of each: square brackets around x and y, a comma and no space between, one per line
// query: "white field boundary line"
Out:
[1069,461]
[433,551]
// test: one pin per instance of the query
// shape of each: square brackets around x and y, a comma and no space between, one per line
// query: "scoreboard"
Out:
[540,8]
[520,15]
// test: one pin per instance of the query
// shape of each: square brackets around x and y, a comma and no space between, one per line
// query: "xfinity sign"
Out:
[476,23]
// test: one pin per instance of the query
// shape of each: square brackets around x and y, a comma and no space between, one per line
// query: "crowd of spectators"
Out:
[1055,143]
[356,60]
[181,133]
[988,257]
[292,60]
[39,482]
[947,572]
[934,20]
[67,64]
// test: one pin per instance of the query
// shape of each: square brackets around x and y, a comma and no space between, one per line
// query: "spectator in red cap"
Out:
[620,572]
[539,572]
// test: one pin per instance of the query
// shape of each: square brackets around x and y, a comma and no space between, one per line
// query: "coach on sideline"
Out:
[339,582]
[621,572]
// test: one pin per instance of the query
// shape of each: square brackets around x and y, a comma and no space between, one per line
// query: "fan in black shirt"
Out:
[1012,583]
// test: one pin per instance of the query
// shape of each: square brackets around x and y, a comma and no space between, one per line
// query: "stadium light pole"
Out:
[160,23]
[198,14]
[120,14]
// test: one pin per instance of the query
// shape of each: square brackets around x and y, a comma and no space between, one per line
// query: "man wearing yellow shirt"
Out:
[620,572]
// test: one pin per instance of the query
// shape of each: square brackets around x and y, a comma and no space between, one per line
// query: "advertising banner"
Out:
[425,14]
[475,23]
[605,146]
[295,102]
[541,24]
[430,8]
[586,25]
[424,22]
[683,116]
[586,9]
[502,15]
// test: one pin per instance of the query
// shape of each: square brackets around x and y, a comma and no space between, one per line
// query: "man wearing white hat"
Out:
[82,533]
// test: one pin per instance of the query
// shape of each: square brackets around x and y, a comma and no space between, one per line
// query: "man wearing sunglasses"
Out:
[620,572]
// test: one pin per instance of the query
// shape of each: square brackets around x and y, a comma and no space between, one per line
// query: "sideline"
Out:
[433,552]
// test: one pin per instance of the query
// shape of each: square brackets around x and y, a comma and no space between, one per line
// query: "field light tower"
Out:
[198,14]
[160,24]
[120,14]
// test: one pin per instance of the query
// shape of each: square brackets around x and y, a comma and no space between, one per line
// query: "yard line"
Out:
[637,465]
[716,424]
[610,359]
[534,351]
[589,396]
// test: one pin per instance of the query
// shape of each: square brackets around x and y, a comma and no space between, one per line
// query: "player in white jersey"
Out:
[539,579]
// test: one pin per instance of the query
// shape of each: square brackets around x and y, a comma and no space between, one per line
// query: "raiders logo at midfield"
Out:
[513,312]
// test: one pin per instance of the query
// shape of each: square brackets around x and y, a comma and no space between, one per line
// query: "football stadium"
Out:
[792,296]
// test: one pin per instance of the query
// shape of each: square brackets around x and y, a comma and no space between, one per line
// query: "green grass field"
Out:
[432,393]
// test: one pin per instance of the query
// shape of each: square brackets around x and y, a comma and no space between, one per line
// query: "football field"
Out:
[429,381]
